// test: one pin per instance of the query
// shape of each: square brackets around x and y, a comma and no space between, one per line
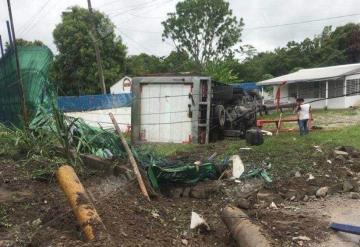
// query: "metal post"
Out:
[9,34]
[97,50]
[326,93]
[23,98]
[1,47]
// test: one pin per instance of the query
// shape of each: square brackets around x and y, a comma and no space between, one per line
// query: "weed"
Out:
[4,219]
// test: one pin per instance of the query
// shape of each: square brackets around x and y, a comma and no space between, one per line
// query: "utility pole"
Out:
[1,47]
[96,46]
[19,77]
[9,34]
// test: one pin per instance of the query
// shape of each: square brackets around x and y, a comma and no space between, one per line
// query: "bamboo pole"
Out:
[131,158]
[85,212]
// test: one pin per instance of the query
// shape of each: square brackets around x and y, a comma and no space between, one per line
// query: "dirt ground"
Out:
[35,213]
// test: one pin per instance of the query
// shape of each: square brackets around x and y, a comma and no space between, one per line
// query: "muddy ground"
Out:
[35,213]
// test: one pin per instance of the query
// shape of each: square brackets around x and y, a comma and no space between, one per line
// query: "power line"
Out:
[137,8]
[32,21]
[300,22]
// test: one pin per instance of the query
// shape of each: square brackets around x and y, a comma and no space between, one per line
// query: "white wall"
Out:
[101,117]
[284,94]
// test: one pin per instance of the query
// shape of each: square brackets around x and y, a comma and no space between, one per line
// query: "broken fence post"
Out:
[242,229]
[88,218]
[131,158]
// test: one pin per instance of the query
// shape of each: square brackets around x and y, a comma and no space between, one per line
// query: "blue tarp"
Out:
[93,102]
[247,86]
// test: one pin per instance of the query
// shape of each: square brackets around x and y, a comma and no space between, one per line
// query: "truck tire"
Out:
[254,137]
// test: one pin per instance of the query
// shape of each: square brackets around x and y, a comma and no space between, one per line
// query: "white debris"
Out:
[303,238]
[329,162]
[237,166]
[297,174]
[273,205]
[311,177]
[245,148]
[267,133]
[318,149]
[197,221]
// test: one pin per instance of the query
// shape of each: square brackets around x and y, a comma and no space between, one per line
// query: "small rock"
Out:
[347,186]
[354,195]
[342,153]
[184,242]
[322,192]
[273,206]
[297,174]
[264,195]
[329,162]
[306,198]
[293,198]
[36,222]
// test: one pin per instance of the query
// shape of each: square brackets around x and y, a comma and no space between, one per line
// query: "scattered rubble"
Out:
[322,192]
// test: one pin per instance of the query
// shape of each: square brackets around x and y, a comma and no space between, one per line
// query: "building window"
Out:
[336,88]
[353,87]
[310,90]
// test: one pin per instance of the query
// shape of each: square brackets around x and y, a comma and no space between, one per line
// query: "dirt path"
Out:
[340,210]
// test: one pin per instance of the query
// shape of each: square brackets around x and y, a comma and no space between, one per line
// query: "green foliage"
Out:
[75,68]
[221,71]
[143,64]
[331,47]
[204,29]
[24,43]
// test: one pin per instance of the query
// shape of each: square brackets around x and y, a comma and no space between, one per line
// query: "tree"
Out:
[144,64]
[24,43]
[75,68]
[204,29]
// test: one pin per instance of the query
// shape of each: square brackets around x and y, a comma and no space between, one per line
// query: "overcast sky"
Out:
[139,21]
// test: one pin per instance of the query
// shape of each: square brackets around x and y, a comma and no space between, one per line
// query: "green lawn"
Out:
[287,152]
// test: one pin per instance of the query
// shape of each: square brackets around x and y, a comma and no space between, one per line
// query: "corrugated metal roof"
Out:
[314,74]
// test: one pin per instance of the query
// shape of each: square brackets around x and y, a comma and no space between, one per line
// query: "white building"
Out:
[122,86]
[334,87]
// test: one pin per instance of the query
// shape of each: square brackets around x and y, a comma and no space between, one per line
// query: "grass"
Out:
[287,152]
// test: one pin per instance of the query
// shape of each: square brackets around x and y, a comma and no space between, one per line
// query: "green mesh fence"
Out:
[34,65]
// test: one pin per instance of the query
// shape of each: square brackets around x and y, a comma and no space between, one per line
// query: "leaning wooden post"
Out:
[84,210]
[131,158]
[279,124]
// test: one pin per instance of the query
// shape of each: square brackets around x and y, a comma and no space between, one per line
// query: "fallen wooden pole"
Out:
[242,229]
[88,218]
[131,158]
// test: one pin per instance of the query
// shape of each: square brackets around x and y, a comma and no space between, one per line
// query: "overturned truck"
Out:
[190,109]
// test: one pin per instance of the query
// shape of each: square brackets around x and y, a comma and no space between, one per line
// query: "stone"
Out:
[204,190]
[264,195]
[297,174]
[306,198]
[322,192]
[176,192]
[354,195]
[184,242]
[243,203]
[347,186]
[186,192]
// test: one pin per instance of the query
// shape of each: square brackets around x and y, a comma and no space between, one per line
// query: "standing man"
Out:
[303,112]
